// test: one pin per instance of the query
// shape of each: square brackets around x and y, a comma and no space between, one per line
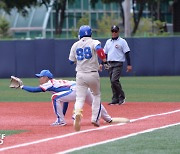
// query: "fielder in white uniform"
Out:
[63,91]
[84,53]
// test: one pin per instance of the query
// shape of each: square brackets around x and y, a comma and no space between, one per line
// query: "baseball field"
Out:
[152,105]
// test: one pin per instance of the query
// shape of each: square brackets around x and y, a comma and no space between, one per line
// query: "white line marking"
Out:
[149,116]
[85,131]
[119,138]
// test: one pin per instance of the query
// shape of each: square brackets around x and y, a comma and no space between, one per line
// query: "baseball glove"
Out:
[15,82]
[106,65]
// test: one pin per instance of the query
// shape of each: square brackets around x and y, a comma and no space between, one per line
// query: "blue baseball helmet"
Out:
[85,31]
[46,73]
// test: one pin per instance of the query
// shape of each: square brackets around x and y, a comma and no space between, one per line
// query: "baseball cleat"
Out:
[77,122]
[73,117]
[110,121]
[122,101]
[114,103]
[96,124]
[56,123]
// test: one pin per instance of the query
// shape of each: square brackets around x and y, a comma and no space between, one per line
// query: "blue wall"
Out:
[149,56]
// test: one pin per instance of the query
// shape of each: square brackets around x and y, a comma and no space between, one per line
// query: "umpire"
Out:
[117,50]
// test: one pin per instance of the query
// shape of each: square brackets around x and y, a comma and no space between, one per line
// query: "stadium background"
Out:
[34,46]
[150,57]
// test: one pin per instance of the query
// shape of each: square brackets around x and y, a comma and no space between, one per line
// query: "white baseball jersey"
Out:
[116,49]
[55,86]
[84,54]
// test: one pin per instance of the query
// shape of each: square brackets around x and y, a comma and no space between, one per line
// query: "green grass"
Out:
[18,95]
[137,89]
[11,132]
[163,141]
[146,89]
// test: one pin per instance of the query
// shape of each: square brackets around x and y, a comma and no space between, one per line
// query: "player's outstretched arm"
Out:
[32,89]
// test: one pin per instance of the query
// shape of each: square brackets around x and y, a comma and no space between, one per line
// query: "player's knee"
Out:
[53,97]
[80,100]
[97,94]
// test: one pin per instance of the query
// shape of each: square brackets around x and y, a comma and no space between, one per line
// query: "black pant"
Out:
[114,74]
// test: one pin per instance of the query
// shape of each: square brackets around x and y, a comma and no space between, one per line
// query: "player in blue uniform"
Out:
[63,91]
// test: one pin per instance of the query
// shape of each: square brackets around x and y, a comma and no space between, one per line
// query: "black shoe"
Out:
[121,101]
[113,103]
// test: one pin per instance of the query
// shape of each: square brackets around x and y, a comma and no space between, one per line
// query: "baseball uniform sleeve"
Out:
[72,55]
[125,46]
[106,46]
[95,43]
[32,89]
[100,52]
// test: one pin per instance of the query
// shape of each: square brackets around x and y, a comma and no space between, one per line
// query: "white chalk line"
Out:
[119,138]
[84,131]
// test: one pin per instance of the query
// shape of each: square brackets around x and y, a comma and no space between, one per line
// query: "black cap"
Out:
[115,28]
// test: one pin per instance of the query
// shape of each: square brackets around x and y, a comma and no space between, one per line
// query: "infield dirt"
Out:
[40,137]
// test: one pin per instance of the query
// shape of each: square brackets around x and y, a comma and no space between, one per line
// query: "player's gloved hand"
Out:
[106,65]
[15,82]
